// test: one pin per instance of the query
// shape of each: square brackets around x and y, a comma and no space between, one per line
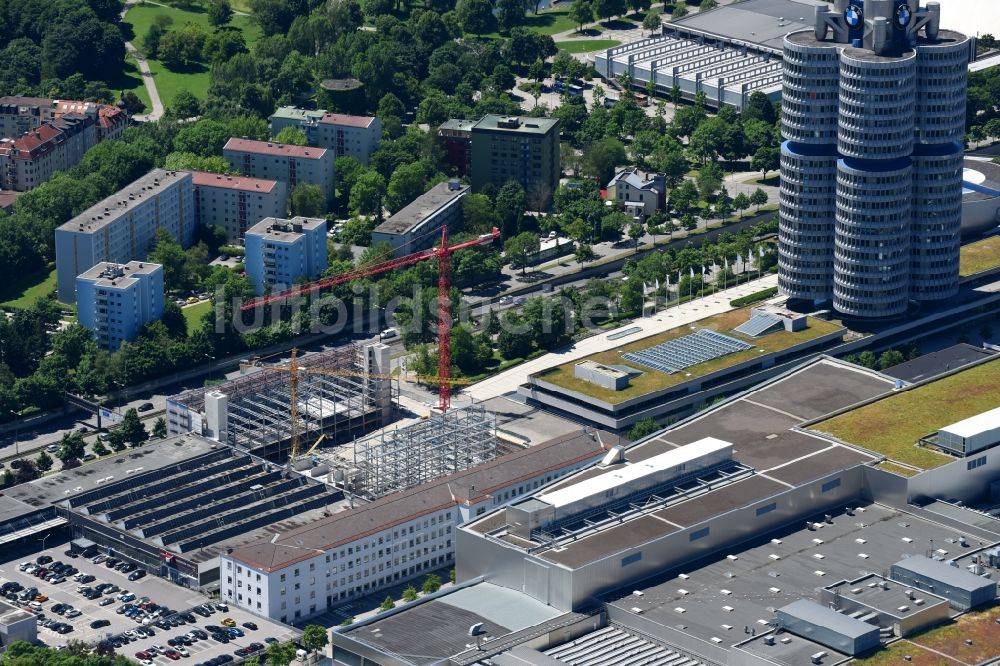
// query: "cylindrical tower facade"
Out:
[942,79]
[873,113]
[809,105]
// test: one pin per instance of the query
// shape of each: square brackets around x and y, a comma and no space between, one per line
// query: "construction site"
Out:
[394,460]
[340,394]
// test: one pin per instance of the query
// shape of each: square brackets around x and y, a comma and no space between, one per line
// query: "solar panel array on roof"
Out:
[758,324]
[675,355]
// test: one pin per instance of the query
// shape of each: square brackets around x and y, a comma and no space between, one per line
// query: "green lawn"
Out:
[897,653]
[893,425]
[979,256]
[24,292]
[194,313]
[586,45]
[195,80]
[652,380]
[131,80]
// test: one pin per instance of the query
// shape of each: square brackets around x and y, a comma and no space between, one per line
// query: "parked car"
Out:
[136,575]
[250,625]
[97,624]
[228,622]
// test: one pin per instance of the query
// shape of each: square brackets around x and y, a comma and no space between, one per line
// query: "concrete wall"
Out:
[956,480]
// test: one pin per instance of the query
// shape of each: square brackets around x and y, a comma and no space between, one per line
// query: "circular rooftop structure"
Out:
[980,196]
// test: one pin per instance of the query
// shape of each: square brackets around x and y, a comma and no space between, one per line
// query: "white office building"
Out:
[304,571]
[236,203]
[279,252]
[116,300]
[122,227]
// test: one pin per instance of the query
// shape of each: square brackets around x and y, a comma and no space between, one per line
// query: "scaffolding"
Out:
[258,405]
[444,443]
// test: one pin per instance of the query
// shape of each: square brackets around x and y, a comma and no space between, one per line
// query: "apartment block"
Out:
[35,156]
[122,227]
[277,161]
[525,150]
[455,138]
[279,252]
[22,114]
[116,300]
[355,552]
[236,203]
[358,136]
[418,225]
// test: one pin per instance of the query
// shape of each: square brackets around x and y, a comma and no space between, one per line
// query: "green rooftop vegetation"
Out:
[979,256]
[893,425]
[897,653]
[970,639]
[653,380]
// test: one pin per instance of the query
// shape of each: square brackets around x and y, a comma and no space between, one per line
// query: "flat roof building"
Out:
[522,149]
[357,136]
[279,252]
[123,226]
[963,590]
[292,165]
[395,538]
[418,224]
[236,203]
[116,300]
[828,627]
[16,625]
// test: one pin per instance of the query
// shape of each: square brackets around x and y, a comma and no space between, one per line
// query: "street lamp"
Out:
[17,428]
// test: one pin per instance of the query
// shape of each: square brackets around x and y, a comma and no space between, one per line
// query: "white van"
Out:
[388,334]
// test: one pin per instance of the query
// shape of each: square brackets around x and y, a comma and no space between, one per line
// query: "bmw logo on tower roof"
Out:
[854,15]
[903,16]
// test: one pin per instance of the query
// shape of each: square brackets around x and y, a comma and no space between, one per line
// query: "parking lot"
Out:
[159,591]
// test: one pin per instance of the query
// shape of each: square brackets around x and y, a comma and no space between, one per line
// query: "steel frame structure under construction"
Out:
[444,443]
[258,405]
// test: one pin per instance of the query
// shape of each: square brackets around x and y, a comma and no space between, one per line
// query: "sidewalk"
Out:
[662,321]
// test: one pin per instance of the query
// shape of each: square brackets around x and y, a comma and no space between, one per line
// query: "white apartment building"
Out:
[277,161]
[236,203]
[279,252]
[116,300]
[358,136]
[122,227]
[403,536]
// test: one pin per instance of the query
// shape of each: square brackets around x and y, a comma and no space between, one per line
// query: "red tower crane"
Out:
[443,254]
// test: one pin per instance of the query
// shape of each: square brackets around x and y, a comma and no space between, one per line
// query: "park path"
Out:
[147,79]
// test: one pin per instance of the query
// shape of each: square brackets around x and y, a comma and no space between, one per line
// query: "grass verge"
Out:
[897,653]
[586,45]
[22,293]
[979,256]
[194,313]
[195,79]
[891,426]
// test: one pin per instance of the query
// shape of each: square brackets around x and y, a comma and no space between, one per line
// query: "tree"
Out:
[601,157]
[887,359]
[759,107]
[765,159]
[406,184]
[99,449]
[680,11]
[169,253]
[643,428]
[868,359]
[758,198]
[71,446]
[116,439]
[410,593]
[387,604]
[279,654]
[652,22]
[705,5]
[741,202]
[314,638]
[368,194]
[475,16]
[582,13]
[219,13]
[431,584]
[521,249]
[185,105]
[44,462]
[511,202]
[308,200]
[182,47]
[709,179]
[635,232]
[133,431]
[27,471]
[151,42]
[160,428]
[606,9]
[510,13]
[514,339]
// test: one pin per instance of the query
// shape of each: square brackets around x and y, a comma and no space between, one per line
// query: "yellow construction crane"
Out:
[293,369]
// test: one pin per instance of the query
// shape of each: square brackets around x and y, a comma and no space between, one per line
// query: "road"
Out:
[147,78]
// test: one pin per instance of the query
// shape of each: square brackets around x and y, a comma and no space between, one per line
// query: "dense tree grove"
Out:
[60,48]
